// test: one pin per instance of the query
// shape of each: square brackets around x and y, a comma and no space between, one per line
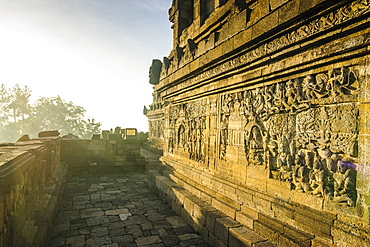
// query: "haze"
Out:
[95,53]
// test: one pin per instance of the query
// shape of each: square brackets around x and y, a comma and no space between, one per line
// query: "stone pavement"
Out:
[117,210]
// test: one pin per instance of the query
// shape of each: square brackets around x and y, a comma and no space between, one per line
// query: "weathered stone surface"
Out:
[52,133]
[30,185]
[262,110]
[141,219]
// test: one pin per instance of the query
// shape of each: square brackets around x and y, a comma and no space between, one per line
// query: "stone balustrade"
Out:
[31,179]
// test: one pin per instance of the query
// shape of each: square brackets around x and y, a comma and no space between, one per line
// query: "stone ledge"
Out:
[214,226]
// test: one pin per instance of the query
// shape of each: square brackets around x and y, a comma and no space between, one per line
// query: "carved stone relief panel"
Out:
[187,129]
[303,130]
[156,129]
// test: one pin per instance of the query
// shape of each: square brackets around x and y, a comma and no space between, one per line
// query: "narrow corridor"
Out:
[116,210]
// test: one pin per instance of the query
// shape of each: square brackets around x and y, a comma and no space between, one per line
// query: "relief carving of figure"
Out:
[258,103]
[317,177]
[224,135]
[345,182]
[181,136]
[335,82]
[291,96]
[301,172]
[271,154]
[171,141]
[279,98]
[309,88]
[268,103]
[254,147]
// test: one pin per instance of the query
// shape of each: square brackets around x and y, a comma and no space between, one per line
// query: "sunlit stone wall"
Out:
[262,110]
[105,153]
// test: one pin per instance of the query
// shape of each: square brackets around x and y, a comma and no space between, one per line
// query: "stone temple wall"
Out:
[262,110]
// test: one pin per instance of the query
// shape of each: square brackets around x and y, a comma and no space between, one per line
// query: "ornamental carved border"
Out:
[334,18]
[304,130]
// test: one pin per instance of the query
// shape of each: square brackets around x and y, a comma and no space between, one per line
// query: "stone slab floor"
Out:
[117,210]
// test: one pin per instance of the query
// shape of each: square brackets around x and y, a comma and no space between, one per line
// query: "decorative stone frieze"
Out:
[265,112]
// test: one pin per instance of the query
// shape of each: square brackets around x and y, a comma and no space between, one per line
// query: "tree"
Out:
[66,117]
[19,102]
[47,113]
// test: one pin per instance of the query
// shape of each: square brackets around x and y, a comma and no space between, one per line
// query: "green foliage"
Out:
[18,116]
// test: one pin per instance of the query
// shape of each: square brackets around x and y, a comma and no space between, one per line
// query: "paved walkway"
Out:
[117,210]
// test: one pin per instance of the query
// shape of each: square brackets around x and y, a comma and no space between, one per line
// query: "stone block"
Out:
[227,195]
[262,203]
[97,145]
[245,219]
[320,243]
[115,137]
[189,205]
[239,22]
[176,207]
[272,222]
[296,236]
[199,214]
[265,24]
[211,218]
[228,46]
[266,231]
[242,38]
[306,5]
[242,236]
[283,213]
[222,226]
[215,241]
[203,231]
[277,3]
[257,178]
[260,9]
[52,133]
[185,215]
[148,240]
[226,209]
[249,211]
[344,238]
[363,178]
[321,229]
[288,11]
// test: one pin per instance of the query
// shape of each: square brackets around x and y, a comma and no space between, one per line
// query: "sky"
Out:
[95,53]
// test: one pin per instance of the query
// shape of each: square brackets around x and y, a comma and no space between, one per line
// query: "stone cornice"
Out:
[331,20]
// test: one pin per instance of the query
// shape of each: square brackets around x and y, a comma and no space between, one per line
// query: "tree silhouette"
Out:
[19,117]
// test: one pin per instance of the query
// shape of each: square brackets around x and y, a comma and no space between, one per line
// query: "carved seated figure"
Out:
[317,178]
[301,178]
[345,183]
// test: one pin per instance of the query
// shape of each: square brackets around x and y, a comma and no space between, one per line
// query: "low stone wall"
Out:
[33,174]
[103,155]
[31,180]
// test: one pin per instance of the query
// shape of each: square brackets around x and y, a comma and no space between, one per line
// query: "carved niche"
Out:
[303,130]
